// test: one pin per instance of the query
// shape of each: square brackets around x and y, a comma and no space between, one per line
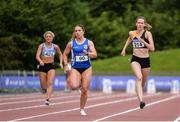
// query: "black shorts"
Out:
[80,70]
[46,67]
[144,62]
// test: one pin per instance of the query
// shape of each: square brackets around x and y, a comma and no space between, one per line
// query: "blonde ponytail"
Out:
[72,37]
[147,26]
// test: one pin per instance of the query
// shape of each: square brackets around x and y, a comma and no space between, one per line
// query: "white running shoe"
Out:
[47,102]
[82,112]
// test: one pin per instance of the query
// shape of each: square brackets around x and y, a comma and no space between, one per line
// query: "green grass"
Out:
[168,60]
[161,61]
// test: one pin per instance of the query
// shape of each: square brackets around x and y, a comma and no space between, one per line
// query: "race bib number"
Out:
[81,58]
[49,53]
[138,44]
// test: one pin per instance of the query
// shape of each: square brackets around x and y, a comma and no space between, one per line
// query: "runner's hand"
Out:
[123,52]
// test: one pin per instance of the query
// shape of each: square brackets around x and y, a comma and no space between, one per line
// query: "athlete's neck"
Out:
[139,31]
[80,40]
[48,44]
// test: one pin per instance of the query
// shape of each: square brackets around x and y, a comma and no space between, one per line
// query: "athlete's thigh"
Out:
[136,69]
[51,75]
[42,77]
[86,77]
[75,76]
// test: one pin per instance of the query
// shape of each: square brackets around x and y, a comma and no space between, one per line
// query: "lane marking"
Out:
[65,102]
[33,95]
[15,97]
[42,99]
[74,109]
[26,95]
[134,109]
[177,119]
[37,94]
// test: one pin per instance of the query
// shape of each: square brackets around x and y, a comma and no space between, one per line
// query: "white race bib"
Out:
[138,44]
[81,58]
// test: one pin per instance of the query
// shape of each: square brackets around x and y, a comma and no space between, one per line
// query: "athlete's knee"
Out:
[139,78]
[73,86]
[84,90]
[49,83]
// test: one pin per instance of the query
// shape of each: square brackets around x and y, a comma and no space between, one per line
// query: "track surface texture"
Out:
[117,106]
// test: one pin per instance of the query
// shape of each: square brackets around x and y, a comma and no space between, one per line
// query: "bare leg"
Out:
[86,77]
[74,79]
[67,88]
[145,73]
[43,80]
[50,79]
[137,71]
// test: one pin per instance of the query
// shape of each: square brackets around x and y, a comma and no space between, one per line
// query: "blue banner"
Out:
[97,82]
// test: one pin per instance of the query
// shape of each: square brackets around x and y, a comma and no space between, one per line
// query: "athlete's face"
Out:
[48,37]
[79,32]
[140,24]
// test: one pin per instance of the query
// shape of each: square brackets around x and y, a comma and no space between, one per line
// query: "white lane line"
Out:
[25,96]
[33,95]
[36,100]
[134,109]
[74,109]
[8,95]
[177,119]
[42,99]
[65,102]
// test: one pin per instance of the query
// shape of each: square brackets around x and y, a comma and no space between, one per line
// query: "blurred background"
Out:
[107,23]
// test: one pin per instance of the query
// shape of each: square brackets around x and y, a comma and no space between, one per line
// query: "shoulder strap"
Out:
[43,46]
[143,35]
[87,40]
[53,46]
[72,42]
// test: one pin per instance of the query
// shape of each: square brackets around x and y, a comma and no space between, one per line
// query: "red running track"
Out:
[117,106]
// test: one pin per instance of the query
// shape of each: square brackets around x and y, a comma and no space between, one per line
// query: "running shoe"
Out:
[47,102]
[82,112]
[142,105]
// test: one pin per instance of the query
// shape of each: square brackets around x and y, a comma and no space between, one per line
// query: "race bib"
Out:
[49,53]
[81,58]
[138,44]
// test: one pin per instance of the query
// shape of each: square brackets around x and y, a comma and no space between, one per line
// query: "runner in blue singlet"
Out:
[82,50]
